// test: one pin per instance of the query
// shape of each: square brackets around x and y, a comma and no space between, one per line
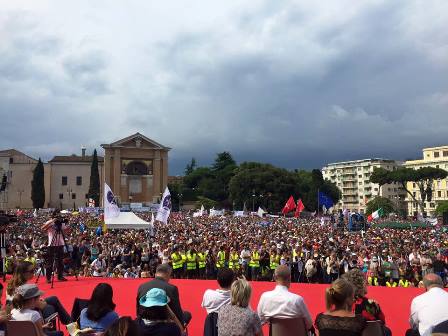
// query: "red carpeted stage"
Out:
[395,302]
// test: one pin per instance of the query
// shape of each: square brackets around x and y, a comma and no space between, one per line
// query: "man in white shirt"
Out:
[430,308]
[99,266]
[213,300]
[281,303]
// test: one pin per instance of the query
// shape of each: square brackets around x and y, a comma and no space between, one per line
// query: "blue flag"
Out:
[325,200]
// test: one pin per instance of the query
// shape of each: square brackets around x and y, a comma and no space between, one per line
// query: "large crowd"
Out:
[231,250]
[196,248]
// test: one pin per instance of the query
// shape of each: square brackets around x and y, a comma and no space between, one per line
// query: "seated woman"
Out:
[99,314]
[339,320]
[237,318]
[124,326]
[23,273]
[155,318]
[26,302]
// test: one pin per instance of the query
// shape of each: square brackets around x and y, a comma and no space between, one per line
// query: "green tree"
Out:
[190,167]
[380,202]
[38,186]
[206,202]
[94,186]
[423,177]
[442,207]
[263,185]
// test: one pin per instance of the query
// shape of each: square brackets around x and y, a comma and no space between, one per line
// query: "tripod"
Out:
[55,256]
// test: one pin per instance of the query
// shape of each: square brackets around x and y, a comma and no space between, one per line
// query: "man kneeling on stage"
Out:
[55,251]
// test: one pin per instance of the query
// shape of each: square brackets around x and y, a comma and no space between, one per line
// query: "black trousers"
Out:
[55,252]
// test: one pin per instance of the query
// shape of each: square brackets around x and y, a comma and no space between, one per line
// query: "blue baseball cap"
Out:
[154,297]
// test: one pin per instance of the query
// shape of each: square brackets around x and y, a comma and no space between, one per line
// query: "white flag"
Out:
[110,204]
[202,209]
[260,212]
[151,225]
[165,207]
[324,209]
[35,213]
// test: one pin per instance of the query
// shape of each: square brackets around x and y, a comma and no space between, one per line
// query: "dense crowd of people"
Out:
[199,247]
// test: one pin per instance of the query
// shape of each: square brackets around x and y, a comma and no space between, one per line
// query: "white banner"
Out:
[165,207]
[111,209]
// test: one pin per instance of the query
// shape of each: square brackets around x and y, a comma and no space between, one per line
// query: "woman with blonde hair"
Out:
[339,320]
[238,318]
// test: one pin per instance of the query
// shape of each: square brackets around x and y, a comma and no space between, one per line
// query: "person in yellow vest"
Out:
[202,260]
[176,263]
[221,258]
[191,263]
[391,283]
[254,264]
[234,260]
[403,282]
[184,262]
[30,258]
[274,260]
[372,280]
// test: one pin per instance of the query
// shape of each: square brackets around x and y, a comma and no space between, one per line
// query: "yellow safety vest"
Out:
[176,260]
[191,261]
[274,261]
[404,283]
[391,284]
[372,281]
[221,259]
[234,261]
[184,258]
[255,260]
[201,259]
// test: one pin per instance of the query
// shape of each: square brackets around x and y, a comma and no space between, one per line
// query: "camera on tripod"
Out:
[58,221]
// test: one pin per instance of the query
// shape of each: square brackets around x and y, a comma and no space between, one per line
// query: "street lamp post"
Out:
[253,202]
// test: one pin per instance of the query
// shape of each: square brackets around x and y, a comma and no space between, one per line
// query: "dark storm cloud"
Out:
[292,84]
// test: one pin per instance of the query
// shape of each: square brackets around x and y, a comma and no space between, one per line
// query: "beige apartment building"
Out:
[353,179]
[136,169]
[436,157]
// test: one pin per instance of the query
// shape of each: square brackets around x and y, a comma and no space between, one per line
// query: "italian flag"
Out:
[375,215]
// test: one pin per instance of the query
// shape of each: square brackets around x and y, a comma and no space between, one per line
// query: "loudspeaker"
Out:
[445,218]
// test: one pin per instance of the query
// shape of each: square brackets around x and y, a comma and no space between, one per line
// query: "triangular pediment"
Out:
[138,140]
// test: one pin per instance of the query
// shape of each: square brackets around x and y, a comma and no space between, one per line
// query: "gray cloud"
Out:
[292,84]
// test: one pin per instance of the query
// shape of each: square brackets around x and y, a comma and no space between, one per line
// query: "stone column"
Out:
[116,185]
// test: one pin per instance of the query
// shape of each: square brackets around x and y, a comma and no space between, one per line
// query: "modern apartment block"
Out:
[353,179]
[436,157]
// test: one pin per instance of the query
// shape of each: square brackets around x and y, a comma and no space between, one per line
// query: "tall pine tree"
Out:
[94,187]
[37,186]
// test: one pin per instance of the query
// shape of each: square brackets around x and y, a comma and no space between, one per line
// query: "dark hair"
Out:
[18,301]
[225,277]
[155,313]
[124,326]
[164,269]
[18,277]
[338,293]
[100,302]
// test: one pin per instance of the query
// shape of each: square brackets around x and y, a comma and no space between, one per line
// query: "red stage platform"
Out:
[395,302]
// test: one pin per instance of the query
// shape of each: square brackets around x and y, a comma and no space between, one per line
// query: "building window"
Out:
[73,196]
[376,189]
[61,196]
[79,180]
[445,153]
[64,180]
[413,185]
[11,160]
[436,154]
[439,194]
[360,176]
[431,205]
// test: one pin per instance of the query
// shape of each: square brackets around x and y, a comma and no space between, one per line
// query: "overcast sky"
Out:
[295,83]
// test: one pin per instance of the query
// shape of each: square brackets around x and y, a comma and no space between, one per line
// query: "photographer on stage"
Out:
[55,229]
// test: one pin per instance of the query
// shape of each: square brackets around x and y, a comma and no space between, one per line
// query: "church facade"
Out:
[136,169]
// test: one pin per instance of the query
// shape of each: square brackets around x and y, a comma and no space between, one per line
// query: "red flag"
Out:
[289,206]
[299,208]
